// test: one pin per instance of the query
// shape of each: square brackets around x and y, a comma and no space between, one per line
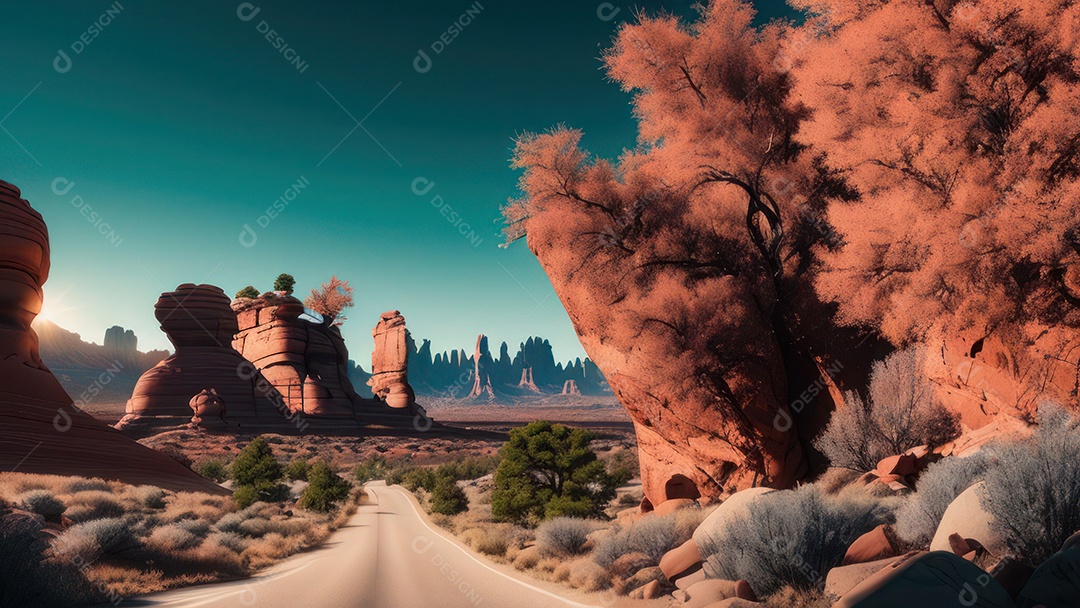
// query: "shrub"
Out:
[297,470]
[412,478]
[28,577]
[1033,487]
[284,282]
[43,503]
[901,412]
[93,504]
[548,470]
[230,540]
[653,536]
[247,292]
[468,468]
[213,469]
[623,466]
[325,489]
[150,497]
[99,536]
[257,473]
[918,517]
[791,537]
[447,498]
[563,536]
[374,467]
[172,538]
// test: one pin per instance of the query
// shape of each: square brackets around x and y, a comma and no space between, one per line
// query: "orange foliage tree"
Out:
[904,167]
[330,299]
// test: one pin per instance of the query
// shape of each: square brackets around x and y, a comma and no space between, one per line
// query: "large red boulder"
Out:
[200,323]
[43,431]
[302,356]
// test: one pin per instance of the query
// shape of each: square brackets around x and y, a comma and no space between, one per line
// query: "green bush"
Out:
[468,468]
[257,475]
[374,467]
[563,536]
[325,489]
[413,478]
[297,470]
[791,537]
[284,282]
[247,292]
[213,469]
[1033,487]
[548,470]
[447,498]
[919,515]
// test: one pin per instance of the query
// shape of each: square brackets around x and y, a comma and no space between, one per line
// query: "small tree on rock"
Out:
[331,298]
[247,292]
[284,282]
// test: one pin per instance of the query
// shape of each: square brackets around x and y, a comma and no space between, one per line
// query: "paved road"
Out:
[388,556]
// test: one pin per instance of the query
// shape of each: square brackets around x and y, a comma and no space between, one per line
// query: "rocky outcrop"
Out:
[43,431]
[570,387]
[200,323]
[390,362]
[298,352]
[120,343]
[484,365]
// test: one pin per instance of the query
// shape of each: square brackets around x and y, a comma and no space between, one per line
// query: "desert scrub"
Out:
[1033,487]
[918,517]
[257,474]
[30,575]
[447,498]
[651,535]
[44,503]
[213,469]
[791,538]
[563,536]
[326,489]
[902,411]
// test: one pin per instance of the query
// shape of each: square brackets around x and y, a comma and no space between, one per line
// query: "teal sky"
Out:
[178,124]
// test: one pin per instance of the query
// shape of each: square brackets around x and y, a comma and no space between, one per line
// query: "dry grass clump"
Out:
[131,540]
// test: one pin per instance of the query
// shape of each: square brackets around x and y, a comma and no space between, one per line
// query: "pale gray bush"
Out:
[651,535]
[150,497]
[792,537]
[172,537]
[43,503]
[230,522]
[902,411]
[93,504]
[230,540]
[96,537]
[1033,487]
[921,512]
[563,536]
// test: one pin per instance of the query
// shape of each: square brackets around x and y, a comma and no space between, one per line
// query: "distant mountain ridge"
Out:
[532,370]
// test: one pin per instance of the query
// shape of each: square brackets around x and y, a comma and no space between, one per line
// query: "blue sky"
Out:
[165,128]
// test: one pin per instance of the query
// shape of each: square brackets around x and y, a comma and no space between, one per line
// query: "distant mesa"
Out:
[43,431]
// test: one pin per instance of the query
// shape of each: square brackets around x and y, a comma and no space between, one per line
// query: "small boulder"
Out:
[695,576]
[966,517]
[648,591]
[670,506]
[1055,583]
[938,578]
[842,579]
[708,592]
[876,544]
[680,559]
[901,465]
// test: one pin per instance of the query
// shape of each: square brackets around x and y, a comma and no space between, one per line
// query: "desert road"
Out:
[388,556]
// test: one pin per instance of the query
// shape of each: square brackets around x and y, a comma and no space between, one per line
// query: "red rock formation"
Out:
[201,325]
[43,431]
[482,363]
[303,357]
[390,362]
[527,381]
[570,387]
